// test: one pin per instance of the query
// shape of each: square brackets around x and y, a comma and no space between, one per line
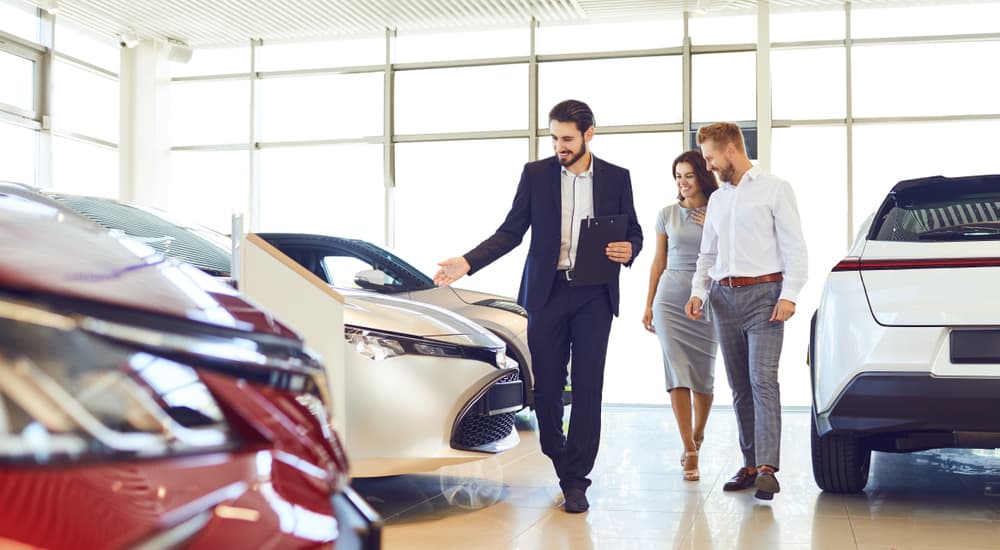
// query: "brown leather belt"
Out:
[736,282]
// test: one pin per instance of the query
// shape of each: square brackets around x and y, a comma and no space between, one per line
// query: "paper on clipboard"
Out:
[592,264]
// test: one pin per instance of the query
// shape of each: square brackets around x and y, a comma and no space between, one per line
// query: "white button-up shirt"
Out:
[752,229]
[577,204]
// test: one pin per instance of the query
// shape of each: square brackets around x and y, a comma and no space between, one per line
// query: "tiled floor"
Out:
[937,499]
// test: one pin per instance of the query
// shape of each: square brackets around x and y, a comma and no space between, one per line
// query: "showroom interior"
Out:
[406,124]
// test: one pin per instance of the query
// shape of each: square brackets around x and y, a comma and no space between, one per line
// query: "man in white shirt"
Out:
[752,265]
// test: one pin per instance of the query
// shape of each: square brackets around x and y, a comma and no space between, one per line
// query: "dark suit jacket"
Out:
[538,204]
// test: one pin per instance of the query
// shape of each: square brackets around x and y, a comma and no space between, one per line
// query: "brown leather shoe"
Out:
[767,485]
[744,479]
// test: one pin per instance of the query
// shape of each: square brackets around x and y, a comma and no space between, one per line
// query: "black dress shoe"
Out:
[744,479]
[766,484]
[576,501]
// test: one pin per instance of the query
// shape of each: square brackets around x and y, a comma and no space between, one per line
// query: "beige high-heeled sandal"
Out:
[697,447]
[691,474]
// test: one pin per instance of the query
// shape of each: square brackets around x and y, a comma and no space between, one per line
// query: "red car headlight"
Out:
[66,394]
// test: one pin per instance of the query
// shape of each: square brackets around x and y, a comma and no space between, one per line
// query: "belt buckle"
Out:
[568,274]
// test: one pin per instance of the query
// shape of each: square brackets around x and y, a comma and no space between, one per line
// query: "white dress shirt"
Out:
[577,204]
[752,229]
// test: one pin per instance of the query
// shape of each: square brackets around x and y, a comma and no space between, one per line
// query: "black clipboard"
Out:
[592,264]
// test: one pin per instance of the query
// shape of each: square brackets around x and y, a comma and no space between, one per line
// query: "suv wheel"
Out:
[840,462]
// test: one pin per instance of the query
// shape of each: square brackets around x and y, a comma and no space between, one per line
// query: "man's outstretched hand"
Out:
[451,270]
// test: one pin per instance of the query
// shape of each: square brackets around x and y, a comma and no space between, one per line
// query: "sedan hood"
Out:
[385,313]
[473,296]
[51,250]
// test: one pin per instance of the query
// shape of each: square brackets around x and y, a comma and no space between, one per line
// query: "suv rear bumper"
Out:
[947,412]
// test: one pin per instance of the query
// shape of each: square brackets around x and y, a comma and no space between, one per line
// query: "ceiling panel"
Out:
[201,23]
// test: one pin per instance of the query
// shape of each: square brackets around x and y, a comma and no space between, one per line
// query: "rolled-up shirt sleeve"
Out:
[791,243]
[701,281]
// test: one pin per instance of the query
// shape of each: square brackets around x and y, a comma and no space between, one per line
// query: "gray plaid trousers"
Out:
[751,348]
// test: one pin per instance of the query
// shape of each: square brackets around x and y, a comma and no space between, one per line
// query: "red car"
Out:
[143,404]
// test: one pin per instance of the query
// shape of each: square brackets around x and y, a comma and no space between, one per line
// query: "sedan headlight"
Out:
[66,394]
[379,346]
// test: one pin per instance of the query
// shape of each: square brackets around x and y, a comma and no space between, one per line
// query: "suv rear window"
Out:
[941,209]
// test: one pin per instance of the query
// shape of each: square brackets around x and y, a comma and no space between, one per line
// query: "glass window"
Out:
[808,83]
[462,100]
[190,242]
[951,18]
[209,112]
[318,55]
[101,51]
[339,106]
[85,102]
[724,86]
[20,20]
[443,213]
[924,79]
[641,35]
[18,146]
[808,25]
[329,190]
[821,195]
[947,211]
[652,94]
[738,29]
[209,61]
[208,187]
[18,88]
[966,148]
[82,168]
[462,45]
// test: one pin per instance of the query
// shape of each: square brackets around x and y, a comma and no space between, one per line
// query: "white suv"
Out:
[905,346]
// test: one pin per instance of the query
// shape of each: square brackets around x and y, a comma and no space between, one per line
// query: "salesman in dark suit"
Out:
[553,196]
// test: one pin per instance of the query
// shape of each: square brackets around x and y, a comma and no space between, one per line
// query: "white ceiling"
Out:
[207,23]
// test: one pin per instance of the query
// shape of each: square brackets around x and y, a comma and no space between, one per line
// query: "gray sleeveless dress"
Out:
[689,347]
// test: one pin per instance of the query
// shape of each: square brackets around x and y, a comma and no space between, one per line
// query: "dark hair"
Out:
[572,110]
[706,180]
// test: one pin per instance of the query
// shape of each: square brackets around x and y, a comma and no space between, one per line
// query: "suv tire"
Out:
[840,462]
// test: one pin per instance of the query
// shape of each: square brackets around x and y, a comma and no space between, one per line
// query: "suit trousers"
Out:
[576,321]
[751,347]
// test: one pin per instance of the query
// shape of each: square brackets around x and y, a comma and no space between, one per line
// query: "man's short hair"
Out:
[572,110]
[722,133]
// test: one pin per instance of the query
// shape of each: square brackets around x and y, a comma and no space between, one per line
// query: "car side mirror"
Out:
[376,280]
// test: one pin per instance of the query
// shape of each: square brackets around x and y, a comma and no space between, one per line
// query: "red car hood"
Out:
[50,250]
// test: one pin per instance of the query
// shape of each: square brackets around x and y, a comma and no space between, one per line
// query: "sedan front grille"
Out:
[489,418]
[512,377]
[478,430]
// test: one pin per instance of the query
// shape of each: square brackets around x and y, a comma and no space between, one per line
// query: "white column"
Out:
[763,86]
[144,140]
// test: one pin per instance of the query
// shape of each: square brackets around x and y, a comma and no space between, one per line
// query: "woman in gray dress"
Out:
[689,347]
